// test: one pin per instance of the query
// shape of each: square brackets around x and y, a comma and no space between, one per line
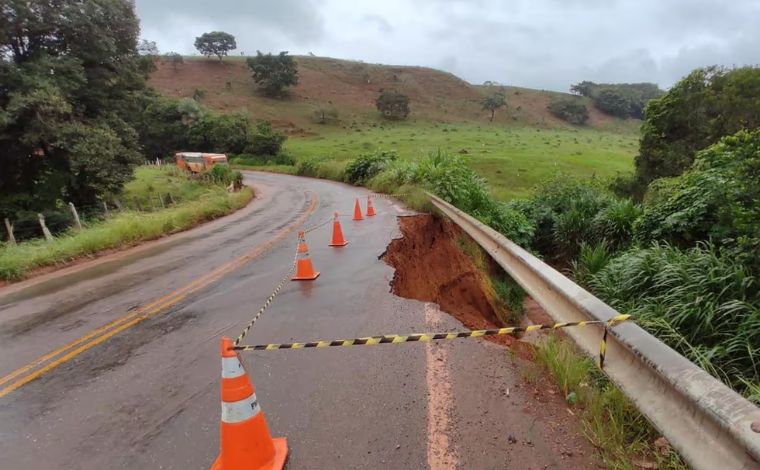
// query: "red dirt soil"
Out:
[431,268]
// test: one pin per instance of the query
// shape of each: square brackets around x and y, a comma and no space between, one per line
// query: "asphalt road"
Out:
[115,363]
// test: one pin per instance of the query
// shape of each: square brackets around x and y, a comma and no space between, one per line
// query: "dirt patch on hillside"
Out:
[431,268]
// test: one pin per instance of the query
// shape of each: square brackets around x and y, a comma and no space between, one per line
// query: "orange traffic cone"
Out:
[245,439]
[370,209]
[358,210]
[304,268]
[337,236]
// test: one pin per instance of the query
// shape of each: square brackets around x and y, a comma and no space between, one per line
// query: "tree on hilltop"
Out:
[392,104]
[493,102]
[216,43]
[273,73]
[174,58]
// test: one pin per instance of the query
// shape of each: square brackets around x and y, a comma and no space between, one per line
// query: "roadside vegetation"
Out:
[195,201]
[512,159]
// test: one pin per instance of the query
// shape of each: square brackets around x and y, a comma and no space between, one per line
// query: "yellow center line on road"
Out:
[102,333]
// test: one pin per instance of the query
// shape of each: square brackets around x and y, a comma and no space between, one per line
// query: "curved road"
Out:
[114,363]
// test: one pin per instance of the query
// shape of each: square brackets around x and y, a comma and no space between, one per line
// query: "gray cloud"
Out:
[546,44]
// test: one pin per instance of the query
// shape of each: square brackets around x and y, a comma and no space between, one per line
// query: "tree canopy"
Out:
[273,73]
[392,104]
[216,43]
[493,102]
[696,112]
[622,100]
[571,110]
[70,81]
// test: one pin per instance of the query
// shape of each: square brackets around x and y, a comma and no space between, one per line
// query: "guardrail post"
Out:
[9,228]
[45,231]
[76,215]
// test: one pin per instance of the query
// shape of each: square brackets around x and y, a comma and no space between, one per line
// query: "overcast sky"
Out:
[533,43]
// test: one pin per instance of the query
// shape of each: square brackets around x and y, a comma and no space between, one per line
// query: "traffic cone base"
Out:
[245,441]
[277,462]
[304,271]
[339,244]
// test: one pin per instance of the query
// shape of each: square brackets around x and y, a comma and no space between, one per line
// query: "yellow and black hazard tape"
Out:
[427,337]
[388,196]
[268,302]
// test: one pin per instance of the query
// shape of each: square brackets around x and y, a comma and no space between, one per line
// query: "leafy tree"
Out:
[493,102]
[570,110]
[147,48]
[216,43]
[392,104]
[718,198]
[265,142]
[696,112]
[623,100]
[175,59]
[583,88]
[70,86]
[273,73]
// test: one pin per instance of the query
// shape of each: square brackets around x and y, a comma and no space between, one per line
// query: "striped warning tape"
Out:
[319,225]
[389,196]
[427,337]
[269,300]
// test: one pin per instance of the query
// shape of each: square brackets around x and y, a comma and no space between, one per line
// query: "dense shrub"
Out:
[570,110]
[392,104]
[449,177]
[695,113]
[567,212]
[265,141]
[719,198]
[224,175]
[619,99]
[365,167]
[702,301]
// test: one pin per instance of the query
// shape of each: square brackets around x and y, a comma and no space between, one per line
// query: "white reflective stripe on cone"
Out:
[240,411]
[231,368]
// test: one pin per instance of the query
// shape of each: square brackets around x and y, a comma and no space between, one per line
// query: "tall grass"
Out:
[123,229]
[622,435]
[701,301]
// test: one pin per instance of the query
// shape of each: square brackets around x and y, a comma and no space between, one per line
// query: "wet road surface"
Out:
[115,363]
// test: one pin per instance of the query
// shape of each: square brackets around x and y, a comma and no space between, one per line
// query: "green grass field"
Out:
[513,160]
[196,203]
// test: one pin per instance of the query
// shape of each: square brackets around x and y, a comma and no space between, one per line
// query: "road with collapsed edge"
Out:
[115,362]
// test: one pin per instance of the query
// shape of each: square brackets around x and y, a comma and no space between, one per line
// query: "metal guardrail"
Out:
[710,425]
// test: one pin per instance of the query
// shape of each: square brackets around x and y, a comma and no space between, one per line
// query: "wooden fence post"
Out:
[45,231]
[9,228]
[171,198]
[161,200]
[76,215]
[105,208]
[118,204]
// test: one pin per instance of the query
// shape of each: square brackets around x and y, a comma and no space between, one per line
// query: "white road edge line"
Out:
[440,452]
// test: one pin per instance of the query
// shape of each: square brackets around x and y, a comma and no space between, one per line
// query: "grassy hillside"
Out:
[351,87]
[523,145]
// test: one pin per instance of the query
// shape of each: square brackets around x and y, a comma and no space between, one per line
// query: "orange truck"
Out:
[196,162]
